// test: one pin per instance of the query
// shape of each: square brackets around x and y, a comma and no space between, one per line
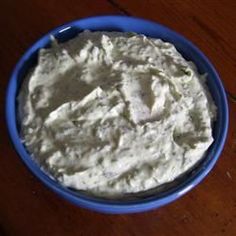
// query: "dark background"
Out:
[29,208]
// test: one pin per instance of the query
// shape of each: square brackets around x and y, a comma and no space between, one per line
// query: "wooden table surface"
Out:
[27,207]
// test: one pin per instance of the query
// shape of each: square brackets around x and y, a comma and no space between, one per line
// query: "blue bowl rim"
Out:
[93,203]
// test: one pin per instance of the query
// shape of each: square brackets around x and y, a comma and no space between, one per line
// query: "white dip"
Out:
[115,113]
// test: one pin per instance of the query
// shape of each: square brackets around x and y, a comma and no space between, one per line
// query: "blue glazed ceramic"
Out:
[122,23]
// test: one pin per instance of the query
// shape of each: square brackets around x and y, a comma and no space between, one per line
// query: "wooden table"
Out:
[29,208]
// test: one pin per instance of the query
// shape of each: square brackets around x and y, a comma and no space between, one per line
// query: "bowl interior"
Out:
[116,23]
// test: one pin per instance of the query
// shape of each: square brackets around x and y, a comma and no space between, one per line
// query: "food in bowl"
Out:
[115,113]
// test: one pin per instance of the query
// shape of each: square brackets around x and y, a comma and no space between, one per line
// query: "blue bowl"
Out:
[122,23]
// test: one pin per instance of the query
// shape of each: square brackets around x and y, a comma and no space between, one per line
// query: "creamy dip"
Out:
[115,113]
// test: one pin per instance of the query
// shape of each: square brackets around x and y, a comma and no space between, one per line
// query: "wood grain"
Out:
[29,208]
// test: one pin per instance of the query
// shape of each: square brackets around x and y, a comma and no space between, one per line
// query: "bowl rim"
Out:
[93,203]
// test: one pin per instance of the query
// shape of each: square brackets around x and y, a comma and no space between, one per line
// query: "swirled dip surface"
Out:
[115,113]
